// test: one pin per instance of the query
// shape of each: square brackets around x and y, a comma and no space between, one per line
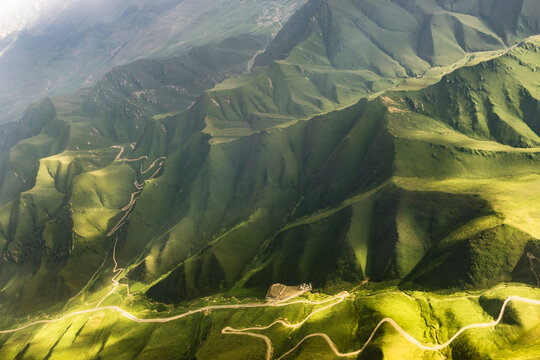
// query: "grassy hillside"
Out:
[157,86]
[331,54]
[285,195]
[79,42]
[430,318]
[336,161]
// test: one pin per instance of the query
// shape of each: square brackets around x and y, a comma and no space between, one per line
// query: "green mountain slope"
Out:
[334,53]
[283,200]
[303,197]
[76,43]
[157,86]
[347,153]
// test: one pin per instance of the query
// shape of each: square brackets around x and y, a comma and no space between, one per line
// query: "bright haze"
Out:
[16,14]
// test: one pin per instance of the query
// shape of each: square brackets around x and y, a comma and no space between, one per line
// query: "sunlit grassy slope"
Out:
[416,188]
[329,185]
[430,318]
[413,165]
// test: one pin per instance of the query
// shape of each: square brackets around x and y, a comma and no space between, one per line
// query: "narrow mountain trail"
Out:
[163,158]
[120,153]
[117,271]
[394,324]
[89,281]
[127,209]
[138,186]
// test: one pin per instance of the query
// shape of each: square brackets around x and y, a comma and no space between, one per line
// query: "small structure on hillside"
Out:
[306,287]
[279,292]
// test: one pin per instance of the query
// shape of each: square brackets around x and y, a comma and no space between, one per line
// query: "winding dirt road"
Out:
[162,159]
[168,319]
[399,329]
[127,209]
[89,281]
[117,271]
[138,186]
[269,351]
[249,331]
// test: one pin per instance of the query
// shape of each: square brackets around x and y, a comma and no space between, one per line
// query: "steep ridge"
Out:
[339,184]
[428,189]
[157,86]
[76,43]
[333,53]
[375,141]
[240,155]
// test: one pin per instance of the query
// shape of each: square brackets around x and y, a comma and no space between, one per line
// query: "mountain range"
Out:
[385,150]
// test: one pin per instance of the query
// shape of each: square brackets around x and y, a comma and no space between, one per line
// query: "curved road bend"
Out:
[139,187]
[399,329]
[117,271]
[247,331]
[168,319]
[333,347]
